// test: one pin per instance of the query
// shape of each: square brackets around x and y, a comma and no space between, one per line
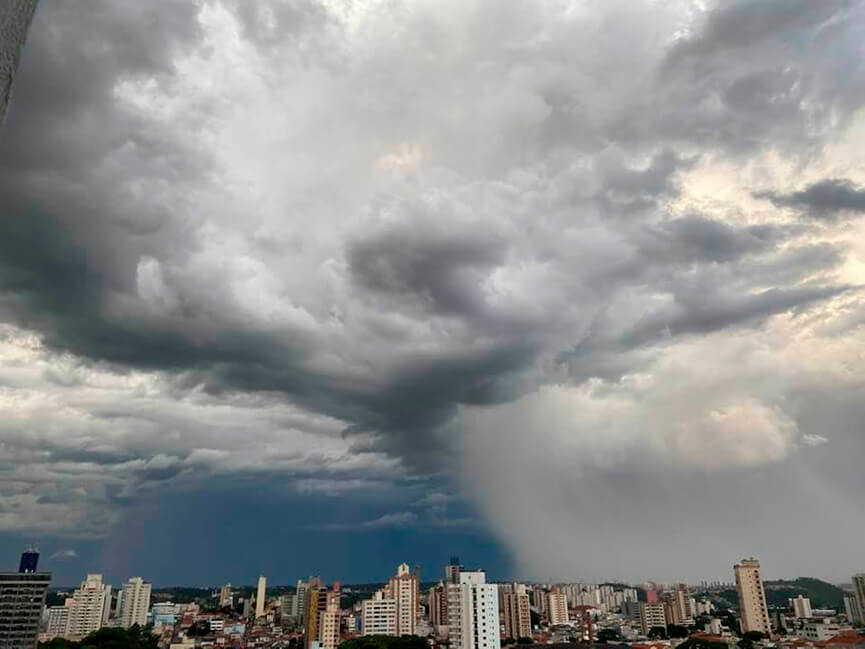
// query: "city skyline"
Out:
[572,289]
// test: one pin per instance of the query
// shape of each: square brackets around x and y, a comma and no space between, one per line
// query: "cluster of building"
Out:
[461,611]
[94,605]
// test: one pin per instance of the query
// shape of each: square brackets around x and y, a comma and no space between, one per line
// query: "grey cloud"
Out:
[826,199]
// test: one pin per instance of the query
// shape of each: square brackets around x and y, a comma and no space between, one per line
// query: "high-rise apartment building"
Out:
[87,607]
[56,621]
[378,615]
[801,607]
[316,604]
[852,610]
[473,613]
[515,612]
[452,571]
[438,607]
[225,596]
[684,603]
[557,606]
[752,597]
[329,620]
[404,590]
[260,597]
[859,594]
[134,603]
[652,614]
[22,598]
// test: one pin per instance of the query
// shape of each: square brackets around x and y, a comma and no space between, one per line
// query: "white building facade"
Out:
[134,603]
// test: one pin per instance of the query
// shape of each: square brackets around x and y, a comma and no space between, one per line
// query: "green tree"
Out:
[525,640]
[609,635]
[677,631]
[658,633]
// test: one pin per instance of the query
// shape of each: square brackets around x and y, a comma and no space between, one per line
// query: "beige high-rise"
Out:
[86,607]
[261,597]
[134,603]
[515,612]
[752,597]
[404,590]
[557,606]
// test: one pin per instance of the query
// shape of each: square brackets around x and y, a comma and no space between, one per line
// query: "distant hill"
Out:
[821,593]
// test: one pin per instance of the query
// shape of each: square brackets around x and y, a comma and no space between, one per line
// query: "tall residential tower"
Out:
[752,597]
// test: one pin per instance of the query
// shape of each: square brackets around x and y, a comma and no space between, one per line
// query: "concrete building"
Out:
[557,606]
[22,598]
[438,608]
[404,590]
[316,604]
[801,607]
[859,594]
[515,612]
[88,606]
[378,615]
[225,596]
[452,571]
[852,610]
[651,615]
[684,604]
[820,630]
[260,597]
[56,622]
[134,603]
[752,597]
[329,620]
[473,613]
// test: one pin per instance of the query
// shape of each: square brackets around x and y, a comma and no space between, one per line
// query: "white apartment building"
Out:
[752,597]
[801,607]
[88,606]
[851,609]
[56,621]
[134,603]
[378,615]
[473,613]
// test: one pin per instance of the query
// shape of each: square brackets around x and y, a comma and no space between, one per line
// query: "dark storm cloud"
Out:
[442,268]
[827,199]
[271,242]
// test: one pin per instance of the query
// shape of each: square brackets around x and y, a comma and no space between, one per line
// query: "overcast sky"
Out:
[571,288]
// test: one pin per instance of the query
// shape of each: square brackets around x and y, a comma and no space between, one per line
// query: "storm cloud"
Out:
[540,261]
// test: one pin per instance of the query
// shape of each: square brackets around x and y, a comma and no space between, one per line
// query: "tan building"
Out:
[225,595]
[316,602]
[404,590]
[260,597]
[515,612]
[752,597]
[438,607]
[134,603]
[683,602]
[87,607]
[329,620]
[651,615]
[557,606]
